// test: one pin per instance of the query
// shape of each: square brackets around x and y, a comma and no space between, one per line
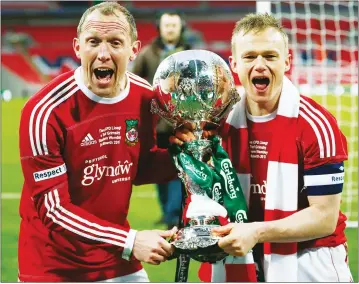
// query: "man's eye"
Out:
[269,56]
[249,57]
[116,43]
[93,41]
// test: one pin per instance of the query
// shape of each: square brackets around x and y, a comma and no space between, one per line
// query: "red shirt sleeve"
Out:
[322,142]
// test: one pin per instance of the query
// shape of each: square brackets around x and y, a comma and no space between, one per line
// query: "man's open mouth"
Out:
[103,74]
[261,83]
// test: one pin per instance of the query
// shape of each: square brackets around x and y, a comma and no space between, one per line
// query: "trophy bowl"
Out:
[193,86]
[196,86]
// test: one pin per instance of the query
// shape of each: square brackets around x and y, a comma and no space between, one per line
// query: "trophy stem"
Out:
[198,131]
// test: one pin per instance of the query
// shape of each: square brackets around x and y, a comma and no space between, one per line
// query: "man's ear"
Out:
[288,62]
[233,63]
[76,46]
[136,47]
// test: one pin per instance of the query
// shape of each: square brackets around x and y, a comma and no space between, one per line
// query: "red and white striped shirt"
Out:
[319,143]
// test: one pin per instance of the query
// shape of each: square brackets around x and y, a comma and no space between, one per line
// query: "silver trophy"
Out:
[196,86]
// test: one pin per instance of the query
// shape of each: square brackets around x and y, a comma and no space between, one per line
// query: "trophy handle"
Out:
[155,109]
[224,110]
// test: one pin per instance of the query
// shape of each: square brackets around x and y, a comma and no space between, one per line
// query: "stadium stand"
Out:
[19,65]
[51,50]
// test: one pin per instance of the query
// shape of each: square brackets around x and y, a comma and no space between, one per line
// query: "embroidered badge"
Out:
[131,131]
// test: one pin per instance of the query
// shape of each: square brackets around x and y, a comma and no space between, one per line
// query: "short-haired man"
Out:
[288,152]
[169,40]
[85,138]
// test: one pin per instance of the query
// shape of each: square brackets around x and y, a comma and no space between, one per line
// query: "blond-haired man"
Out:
[85,138]
[289,152]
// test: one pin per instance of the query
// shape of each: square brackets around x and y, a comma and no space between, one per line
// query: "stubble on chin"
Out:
[108,93]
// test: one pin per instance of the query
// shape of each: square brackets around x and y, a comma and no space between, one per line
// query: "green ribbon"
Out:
[217,177]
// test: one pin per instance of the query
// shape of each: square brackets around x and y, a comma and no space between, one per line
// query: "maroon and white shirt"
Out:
[80,155]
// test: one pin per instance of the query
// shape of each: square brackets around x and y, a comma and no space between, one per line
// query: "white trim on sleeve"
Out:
[127,250]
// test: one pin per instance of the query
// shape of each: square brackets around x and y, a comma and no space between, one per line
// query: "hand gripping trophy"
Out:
[196,86]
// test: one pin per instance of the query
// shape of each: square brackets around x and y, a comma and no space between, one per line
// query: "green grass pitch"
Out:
[144,205]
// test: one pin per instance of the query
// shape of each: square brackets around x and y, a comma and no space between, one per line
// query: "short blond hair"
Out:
[109,8]
[257,23]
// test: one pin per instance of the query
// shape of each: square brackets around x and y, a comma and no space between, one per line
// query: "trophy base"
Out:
[199,243]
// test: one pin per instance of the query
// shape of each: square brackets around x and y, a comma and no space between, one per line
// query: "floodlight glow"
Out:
[7,95]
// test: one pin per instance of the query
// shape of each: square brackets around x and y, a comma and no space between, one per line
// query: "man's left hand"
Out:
[185,133]
[239,238]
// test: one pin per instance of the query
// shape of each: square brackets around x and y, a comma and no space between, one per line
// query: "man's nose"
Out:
[260,64]
[103,53]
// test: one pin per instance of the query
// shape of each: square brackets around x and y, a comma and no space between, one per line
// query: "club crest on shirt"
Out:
[131,131]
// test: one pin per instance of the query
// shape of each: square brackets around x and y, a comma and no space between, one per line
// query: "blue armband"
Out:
[324,180]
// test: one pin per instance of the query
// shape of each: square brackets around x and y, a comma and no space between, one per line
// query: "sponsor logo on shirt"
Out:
[50,173]
[259,188]
[96,172]
[88,140]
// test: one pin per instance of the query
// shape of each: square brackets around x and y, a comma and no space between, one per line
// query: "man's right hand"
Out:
[150,246]
[185,133]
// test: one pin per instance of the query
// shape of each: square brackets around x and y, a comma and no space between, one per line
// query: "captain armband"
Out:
[324,180]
